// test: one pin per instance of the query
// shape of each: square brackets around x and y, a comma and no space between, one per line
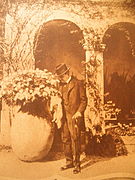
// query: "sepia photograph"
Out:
[67,89]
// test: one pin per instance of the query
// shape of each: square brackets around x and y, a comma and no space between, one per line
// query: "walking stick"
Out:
[76,141]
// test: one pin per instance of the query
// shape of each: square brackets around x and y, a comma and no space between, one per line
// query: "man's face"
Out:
[64,77]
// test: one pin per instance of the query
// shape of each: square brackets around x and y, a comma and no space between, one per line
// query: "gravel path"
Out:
[93,168]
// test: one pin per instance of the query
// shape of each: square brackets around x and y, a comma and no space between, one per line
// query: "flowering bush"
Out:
[27,86]
[111,111]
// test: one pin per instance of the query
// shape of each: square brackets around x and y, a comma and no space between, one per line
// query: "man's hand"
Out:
[77,115]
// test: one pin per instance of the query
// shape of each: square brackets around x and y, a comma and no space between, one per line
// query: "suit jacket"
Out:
[74,99]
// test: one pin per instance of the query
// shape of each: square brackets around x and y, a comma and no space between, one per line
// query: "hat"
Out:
[61,69]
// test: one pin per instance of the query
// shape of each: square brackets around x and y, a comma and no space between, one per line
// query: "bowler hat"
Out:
[61,69]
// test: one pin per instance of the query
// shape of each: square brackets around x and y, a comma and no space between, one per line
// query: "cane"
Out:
[76,140]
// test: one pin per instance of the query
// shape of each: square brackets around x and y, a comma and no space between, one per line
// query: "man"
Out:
[74,104]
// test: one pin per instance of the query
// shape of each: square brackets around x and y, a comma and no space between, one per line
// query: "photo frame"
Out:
[95,40]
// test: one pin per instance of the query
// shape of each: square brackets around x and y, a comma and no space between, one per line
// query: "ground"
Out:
[93,168]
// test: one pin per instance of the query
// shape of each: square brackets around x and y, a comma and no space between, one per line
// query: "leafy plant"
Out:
[26,86]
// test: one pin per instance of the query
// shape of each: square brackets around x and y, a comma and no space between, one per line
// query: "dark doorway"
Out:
[59,41]
[119,66]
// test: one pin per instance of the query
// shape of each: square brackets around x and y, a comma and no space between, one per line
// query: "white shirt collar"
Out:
[68,80]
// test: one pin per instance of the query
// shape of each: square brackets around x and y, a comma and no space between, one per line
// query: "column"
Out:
[91,117]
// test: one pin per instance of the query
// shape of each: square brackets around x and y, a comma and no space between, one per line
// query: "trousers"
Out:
[71,144]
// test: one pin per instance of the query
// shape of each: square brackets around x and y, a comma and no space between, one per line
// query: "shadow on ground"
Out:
[90,160]
[96,149]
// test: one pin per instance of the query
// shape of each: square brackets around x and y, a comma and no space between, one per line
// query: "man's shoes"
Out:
[67,167]
[77,170]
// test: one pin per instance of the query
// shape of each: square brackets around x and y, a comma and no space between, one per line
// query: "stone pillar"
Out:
[100,75]
[88,113]
[4,114]
[90,116]
[5,125]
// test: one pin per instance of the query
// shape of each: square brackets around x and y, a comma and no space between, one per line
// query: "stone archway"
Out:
[119,65]
[58,41]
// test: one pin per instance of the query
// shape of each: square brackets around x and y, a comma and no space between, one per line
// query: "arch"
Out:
[65,15]
[58,41]
[119,65]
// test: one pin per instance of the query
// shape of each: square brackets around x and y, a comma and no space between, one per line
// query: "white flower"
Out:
[28,85]
[41,86]
[31,91]
[45,94]
[21,91]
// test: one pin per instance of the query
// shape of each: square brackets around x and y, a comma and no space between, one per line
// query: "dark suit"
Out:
[74,99]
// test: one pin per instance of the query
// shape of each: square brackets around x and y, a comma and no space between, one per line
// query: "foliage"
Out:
[111,143]
[93,86]
[24,87]
[93,43]
[92,39]
[122,93]
[124,129]
[16,45]
[108,145]
[111,111]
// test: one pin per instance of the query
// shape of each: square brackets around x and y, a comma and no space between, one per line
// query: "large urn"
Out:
[31,132]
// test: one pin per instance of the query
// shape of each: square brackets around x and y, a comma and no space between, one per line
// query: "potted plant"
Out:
[29,94]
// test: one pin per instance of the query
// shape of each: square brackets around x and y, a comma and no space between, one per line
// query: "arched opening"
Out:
[119,67]
[59,41]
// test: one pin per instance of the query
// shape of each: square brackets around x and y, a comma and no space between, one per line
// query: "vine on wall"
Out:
[93,43]
[89,14]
